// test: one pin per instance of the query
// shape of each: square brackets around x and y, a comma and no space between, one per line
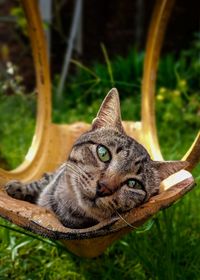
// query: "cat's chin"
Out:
[103,210]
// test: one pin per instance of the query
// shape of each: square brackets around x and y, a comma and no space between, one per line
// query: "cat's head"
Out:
[112,170]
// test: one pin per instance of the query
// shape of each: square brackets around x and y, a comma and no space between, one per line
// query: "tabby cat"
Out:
[107,172]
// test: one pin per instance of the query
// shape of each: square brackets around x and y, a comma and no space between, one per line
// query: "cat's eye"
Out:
[103,153]
[132,183]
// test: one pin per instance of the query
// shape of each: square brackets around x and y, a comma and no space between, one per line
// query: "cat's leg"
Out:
[29,192]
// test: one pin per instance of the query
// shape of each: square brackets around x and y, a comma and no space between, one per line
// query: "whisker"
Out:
[80,172]
[74,165]
[113,208]
[125,220]
[73,169]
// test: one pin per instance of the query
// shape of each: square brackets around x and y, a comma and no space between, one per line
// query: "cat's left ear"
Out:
[109,114]
[167,168]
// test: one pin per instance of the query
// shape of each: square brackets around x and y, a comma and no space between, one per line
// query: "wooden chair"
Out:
[52,142]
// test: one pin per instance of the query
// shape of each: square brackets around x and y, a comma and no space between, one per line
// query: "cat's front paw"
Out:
[15,189]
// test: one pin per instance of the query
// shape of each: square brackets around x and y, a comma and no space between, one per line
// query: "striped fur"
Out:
[85,189]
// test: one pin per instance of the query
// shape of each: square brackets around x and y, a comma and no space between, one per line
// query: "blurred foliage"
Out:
[17,117]
[21,22]
[178,99]
[88,87]
[167,247]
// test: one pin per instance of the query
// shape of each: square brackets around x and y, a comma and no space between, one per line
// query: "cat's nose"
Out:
[103,189]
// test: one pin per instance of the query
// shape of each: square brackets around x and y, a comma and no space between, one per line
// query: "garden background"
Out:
[112,54]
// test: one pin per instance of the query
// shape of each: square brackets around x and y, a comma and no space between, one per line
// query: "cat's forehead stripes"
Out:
[121,145]
[84,142]
[141,159]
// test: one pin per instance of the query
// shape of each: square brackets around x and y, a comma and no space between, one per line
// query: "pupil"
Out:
[132,183]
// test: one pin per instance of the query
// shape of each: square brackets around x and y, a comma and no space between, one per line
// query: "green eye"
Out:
[103,153]
[134,184]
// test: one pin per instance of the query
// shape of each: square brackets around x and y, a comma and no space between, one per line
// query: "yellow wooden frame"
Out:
[51,144]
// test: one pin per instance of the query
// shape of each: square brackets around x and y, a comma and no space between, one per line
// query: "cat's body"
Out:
[107,172]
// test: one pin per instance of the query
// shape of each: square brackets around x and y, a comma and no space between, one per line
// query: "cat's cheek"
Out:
[129,200]
[124,201]
[87,188]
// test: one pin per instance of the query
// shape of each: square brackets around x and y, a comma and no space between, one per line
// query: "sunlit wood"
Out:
[51,145]
[154,43]
[193,154]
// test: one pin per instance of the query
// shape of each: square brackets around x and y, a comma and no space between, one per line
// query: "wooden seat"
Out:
[51,144]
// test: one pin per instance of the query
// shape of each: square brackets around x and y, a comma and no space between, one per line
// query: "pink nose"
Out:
[103,189]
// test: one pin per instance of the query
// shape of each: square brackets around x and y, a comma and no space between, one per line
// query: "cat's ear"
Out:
[109,114]
[167,168]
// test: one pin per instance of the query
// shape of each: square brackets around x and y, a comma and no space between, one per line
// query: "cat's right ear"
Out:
[167,168]
[109,114]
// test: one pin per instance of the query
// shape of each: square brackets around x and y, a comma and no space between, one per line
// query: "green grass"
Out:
[166,248]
